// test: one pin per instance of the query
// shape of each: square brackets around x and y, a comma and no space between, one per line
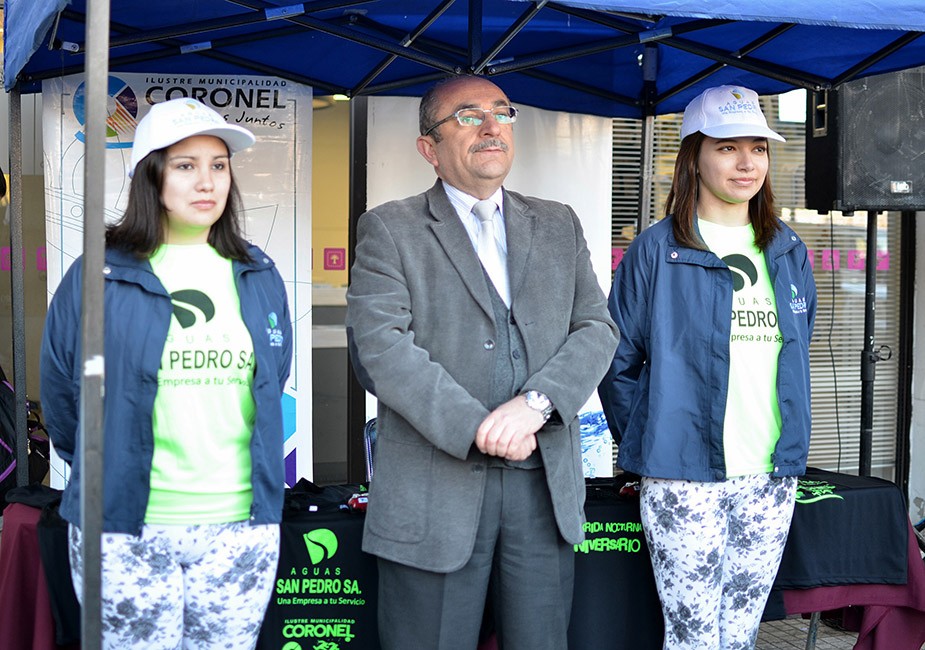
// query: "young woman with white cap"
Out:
[708,393]
[198,346]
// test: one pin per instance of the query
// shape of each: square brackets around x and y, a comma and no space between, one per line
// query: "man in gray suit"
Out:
[475,317]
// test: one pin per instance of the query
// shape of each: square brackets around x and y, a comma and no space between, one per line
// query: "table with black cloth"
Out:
[850,544]
[326,588]
[615,604]
[325,594]
[851,547]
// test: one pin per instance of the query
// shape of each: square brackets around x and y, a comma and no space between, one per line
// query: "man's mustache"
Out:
[494,143]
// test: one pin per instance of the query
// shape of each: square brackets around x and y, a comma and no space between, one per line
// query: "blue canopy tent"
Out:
[604,57]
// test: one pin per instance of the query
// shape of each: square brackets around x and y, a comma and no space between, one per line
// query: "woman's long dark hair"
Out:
[682,199]
[141,229]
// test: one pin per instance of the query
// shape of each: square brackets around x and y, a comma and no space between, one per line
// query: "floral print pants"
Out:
[173,587]
[715,550]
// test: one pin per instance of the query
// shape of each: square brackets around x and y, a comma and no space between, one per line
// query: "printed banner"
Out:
[612,566]
[606,536]
[325,595]
[274,177]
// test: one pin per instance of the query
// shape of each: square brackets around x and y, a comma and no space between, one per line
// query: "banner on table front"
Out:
[325,594]
[274,177]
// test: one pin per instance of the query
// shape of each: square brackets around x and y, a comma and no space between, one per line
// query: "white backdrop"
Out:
[274,177]
[560,156]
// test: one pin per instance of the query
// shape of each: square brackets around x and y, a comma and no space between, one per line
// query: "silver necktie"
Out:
[489,249]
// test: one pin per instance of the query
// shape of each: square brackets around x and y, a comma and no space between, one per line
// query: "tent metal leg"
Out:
[645,173]
[813,631]
[649,64]
[93,362]
[18,289]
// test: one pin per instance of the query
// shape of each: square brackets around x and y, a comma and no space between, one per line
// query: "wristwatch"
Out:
[539,402]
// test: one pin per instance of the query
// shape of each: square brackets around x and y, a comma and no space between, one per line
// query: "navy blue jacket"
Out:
[664,395]
[137,315]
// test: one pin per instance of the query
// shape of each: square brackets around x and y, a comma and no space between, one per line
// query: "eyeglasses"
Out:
[476,116]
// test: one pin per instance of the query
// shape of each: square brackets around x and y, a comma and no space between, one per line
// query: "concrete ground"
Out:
[790,634]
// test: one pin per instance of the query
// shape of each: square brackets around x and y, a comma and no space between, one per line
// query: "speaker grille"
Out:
[882,142]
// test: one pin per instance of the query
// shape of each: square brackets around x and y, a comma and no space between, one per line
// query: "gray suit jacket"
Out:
[420,329]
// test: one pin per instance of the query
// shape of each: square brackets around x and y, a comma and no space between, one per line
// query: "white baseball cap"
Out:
[169,122]
[727,112]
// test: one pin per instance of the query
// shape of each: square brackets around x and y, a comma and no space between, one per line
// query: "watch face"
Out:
[538,402]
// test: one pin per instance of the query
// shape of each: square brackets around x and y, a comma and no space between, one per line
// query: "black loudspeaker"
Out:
[865,144]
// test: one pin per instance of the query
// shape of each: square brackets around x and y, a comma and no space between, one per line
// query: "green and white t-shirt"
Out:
[204,410]
[752,423]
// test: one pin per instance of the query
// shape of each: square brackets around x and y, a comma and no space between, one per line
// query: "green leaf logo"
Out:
[321,544]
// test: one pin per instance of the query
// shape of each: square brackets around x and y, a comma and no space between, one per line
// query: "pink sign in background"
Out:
[335,259]
[32,259]
[823,259]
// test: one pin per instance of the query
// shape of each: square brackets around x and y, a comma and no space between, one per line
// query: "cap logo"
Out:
[738,105]
[196,114]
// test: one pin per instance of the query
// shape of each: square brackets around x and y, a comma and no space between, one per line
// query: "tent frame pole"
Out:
[649,63]
[92,323]
[17,289]
[356,394]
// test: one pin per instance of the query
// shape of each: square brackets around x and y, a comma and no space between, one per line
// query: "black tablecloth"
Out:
[846,530]
[326,587]
[615,604]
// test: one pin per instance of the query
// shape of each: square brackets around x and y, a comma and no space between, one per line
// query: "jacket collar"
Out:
[678,254]
[125,266]
[519,223]
[785,240]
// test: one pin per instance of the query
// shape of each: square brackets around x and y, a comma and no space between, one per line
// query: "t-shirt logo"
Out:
[189,305]
[741,266]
